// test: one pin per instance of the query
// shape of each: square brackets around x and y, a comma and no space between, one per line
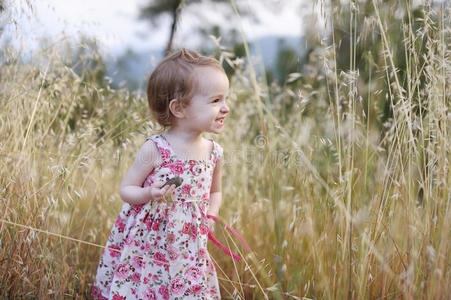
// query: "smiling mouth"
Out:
[220,121]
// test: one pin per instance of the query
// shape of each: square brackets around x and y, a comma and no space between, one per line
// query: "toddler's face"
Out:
[208,108]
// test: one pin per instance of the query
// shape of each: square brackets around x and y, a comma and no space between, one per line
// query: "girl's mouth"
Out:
[220,121]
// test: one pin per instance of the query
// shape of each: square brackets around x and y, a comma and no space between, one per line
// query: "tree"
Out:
[287,61]
[157,8]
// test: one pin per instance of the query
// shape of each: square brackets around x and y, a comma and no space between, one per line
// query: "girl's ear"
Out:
[176,108]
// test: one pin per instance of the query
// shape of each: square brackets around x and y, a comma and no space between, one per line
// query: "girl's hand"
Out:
[157,193]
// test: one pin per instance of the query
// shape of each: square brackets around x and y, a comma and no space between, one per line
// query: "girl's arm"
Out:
[131,190]
[215,191]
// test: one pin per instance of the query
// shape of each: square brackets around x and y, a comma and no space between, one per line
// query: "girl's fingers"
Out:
[163,192]
[158,184]
[170,189]
[160,193]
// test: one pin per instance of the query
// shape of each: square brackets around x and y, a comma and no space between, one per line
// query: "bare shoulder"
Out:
[147,158]
[149,153]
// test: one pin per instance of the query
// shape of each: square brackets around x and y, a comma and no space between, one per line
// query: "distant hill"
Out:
[268,46]
[131,69]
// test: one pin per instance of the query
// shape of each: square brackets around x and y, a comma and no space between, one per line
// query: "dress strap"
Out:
[164,140]
[217,151]
[163,146]
[165,143]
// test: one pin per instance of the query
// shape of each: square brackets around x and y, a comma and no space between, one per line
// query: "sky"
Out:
[116,26]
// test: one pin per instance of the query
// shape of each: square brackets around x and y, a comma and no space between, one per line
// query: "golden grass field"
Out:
[333,205]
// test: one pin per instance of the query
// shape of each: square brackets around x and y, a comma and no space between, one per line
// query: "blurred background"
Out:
[336,148]
[133,37]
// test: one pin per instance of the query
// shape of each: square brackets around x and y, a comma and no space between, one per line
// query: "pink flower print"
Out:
[137,262]
[203,229]
[136,277]
[186,188]
[159,259]
[120,224]
[122,271]
[147,247]
[202,253]
[177,167]
[210,266]
[195,289]
[149,294]
[165,153]
[164,291]
[149,180]
[114,253]
[186,227]
[199,185]
[194,168]
[95,292]
[146,280]
[170,238]
[148,222]
[212,291]
[193,273]
[177,286]
[193,232]
[166,164]
[166,213]
[205,197]
[156,225]
[117,297]
[137,209]
[173,253]
[193,192]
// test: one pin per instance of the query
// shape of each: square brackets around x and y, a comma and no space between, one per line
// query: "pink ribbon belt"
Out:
[225,249]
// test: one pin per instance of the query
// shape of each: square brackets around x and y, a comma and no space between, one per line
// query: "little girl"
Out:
[158,247]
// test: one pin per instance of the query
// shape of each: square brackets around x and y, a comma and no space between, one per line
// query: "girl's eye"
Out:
[216,100]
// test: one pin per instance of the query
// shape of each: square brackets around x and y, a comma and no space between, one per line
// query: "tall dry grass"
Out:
[332,206]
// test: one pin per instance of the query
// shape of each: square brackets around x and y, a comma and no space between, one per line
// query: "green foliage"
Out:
[287,62]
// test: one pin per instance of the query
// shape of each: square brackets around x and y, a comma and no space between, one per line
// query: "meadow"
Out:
[338,178]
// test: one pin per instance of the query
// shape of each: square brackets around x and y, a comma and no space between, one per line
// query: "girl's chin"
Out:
[216,130]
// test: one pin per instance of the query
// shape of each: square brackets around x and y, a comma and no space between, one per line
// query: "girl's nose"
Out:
[225,109]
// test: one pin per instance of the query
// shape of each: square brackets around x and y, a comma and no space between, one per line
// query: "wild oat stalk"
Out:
[339,179]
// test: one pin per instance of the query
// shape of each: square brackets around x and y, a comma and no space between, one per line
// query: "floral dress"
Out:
[158,250]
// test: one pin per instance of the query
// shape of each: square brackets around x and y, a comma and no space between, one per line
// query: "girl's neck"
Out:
[183,136]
